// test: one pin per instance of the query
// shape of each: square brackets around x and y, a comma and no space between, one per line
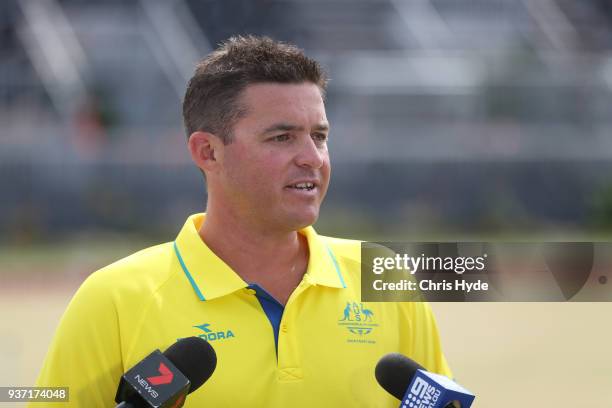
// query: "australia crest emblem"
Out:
[358,320]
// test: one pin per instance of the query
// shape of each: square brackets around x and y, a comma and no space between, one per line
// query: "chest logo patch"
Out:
[358,320]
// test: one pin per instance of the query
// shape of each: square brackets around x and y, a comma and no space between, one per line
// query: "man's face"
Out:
[276,171]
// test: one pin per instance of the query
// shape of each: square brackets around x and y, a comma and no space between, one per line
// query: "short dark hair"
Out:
[211,99]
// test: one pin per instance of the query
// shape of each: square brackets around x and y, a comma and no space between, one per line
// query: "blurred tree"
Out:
[601,218]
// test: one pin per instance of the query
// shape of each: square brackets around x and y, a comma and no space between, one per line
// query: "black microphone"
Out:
[414,386]
[164,380]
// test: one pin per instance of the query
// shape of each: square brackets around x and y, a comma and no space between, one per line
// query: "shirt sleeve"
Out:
[424,345]
[85,353]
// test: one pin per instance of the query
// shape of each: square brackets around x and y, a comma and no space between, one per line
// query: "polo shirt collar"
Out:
[211,277]
[323,268]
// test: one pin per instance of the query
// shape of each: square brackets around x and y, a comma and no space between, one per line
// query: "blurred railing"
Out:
[468,114]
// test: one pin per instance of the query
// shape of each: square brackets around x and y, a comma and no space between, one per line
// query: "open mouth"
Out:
[302,186]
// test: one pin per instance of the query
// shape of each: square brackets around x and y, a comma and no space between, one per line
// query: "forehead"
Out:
[266,102]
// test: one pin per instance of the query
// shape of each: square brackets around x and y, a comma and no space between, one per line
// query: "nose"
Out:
[311,155]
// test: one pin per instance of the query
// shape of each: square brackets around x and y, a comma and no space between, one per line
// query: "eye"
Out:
[281,138]
[320,137]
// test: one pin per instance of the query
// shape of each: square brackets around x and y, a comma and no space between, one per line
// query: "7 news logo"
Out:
[421,395]
[165,377]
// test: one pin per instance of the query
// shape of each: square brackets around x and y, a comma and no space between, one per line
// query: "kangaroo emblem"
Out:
[347,312]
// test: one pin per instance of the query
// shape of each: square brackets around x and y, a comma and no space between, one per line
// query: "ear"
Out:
[205,149]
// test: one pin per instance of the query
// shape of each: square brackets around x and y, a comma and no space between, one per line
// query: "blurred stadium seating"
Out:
[447,115]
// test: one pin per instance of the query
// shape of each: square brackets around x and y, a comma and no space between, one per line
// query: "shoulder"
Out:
[119,292]
[103,321]
[145,270]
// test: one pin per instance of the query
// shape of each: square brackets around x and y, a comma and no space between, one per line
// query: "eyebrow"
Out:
[287,127]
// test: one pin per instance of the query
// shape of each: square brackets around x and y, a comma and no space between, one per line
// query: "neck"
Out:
[256,254]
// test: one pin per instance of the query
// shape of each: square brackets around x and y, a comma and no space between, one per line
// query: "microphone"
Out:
[415,387]
[164,380]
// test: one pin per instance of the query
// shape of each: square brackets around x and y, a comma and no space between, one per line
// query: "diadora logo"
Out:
[358,320]
[212,335]
[421,395]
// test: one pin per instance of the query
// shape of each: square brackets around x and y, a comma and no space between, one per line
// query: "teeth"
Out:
[307,186]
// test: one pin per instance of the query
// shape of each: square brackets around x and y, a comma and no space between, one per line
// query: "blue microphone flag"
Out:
[430,390]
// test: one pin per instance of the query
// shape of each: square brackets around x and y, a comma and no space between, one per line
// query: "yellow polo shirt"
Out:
[320,349]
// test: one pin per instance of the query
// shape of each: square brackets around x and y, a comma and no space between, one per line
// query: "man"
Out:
[279,303]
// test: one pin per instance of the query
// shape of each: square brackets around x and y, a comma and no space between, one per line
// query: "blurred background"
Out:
[451,119]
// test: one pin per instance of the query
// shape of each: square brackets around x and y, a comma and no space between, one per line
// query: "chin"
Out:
[303,220]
